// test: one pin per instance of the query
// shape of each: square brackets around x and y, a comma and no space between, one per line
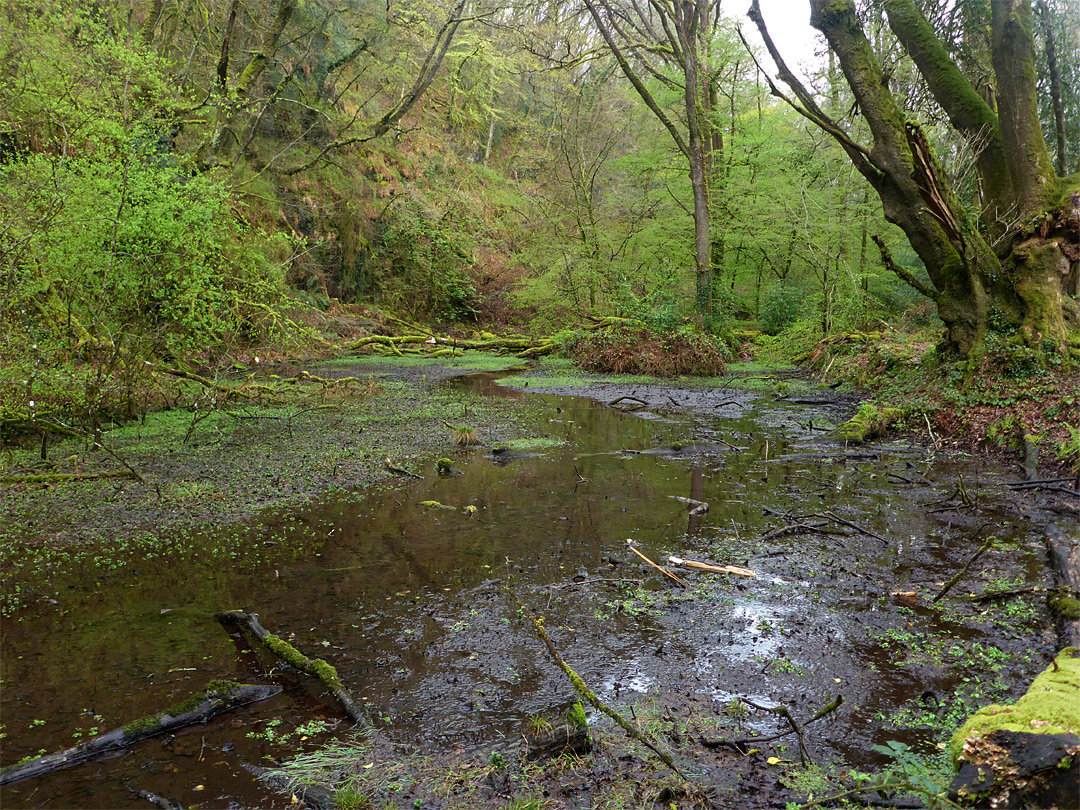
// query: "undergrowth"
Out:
[626,350]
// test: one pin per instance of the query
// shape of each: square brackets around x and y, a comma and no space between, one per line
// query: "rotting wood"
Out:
[217,698]
[711,568]
[664,571]
[1064,554]
[316,667]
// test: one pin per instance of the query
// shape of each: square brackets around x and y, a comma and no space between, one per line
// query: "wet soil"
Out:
[110,593]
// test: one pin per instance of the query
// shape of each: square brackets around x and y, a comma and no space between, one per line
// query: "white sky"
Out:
[788,22]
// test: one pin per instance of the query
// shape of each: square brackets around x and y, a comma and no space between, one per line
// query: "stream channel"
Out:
[399,597]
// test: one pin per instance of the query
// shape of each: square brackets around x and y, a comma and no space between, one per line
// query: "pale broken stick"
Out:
[709,568]
[699,507]
[664,571]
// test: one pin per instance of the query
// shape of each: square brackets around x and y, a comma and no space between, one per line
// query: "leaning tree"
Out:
[1014,257]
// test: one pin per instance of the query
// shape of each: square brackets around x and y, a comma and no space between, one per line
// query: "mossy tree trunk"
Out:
[1019,254]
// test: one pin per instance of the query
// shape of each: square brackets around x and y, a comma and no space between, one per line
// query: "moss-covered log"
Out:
[218,697]
[316,667]
[1026,754]
[868,423]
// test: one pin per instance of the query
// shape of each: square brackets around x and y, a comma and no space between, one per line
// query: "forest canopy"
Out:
[181,180]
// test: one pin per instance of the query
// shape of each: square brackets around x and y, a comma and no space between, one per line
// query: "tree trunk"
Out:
[1023,260]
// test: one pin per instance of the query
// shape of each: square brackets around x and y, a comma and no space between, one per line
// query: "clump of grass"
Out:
[463,435]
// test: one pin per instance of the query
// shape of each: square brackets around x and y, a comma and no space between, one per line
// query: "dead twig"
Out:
[400,470]
[850,525]
[796,727]
[960,574]
[664,571]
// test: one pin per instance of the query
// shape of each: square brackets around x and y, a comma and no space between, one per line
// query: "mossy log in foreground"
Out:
[1026,754]
[316,667]
[868,423]
[218,697]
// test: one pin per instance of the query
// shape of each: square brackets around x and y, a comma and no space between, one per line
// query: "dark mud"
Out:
[407,600]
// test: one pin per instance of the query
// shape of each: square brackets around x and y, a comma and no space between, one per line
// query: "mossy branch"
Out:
[316,667]
[589,695]
[216,698]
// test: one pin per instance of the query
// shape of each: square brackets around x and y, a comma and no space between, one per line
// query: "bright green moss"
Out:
[1051,705]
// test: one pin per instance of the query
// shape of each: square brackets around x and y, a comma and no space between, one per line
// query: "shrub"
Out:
[625,350]
[782,307]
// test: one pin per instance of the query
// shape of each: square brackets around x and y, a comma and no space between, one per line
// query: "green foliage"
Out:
[1068,450]
[419,264]
[781,307]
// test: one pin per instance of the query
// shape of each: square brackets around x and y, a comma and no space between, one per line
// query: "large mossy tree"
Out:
[1014,256]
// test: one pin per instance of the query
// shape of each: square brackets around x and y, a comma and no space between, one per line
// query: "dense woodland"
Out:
[186,180]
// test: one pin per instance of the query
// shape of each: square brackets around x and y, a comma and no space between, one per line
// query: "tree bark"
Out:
[1023,259]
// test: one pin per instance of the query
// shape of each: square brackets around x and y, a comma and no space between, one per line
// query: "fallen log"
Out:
[1024,754]
[316,667]
[711,568]
[1064,553]
[218,697]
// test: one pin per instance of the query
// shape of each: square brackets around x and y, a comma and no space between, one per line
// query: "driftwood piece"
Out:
[697,507]
[1064,553]
[664,571]
[316,667]
[711,568]
[217,698]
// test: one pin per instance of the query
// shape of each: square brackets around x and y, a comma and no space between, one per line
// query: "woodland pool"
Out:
[407,600]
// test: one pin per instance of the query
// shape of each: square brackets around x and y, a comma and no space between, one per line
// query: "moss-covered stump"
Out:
[1027,754]
[870,422]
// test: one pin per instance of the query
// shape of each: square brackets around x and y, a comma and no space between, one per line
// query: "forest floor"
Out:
[191,469]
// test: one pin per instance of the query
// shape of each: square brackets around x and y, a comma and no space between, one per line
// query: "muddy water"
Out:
[400,598]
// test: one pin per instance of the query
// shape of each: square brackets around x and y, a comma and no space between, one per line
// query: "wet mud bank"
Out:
[403,591]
